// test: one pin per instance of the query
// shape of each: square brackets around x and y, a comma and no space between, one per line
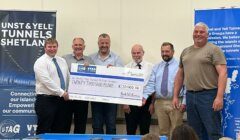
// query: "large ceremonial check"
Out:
[110,85]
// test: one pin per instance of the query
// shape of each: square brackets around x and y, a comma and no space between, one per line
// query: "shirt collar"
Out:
[83,57]
[109,55]
[169,62]
[49,57]
[135,63]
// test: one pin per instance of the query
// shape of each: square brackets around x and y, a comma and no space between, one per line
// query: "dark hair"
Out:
[50,41]
[104,35]
[168,44]
[184,132]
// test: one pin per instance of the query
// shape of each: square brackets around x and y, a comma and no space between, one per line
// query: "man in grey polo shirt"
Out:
[78,109]
[104,112]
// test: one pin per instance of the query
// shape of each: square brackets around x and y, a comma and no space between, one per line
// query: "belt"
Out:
[45,95]
[164,99]
[193,91]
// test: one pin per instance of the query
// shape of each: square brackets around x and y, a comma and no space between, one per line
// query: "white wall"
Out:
[127,21]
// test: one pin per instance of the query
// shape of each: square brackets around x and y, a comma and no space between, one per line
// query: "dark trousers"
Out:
[50,112]
[138,116]
[201,116]
[104,113]
[79,111]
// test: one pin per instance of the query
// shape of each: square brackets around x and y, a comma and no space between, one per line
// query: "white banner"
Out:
[110,85]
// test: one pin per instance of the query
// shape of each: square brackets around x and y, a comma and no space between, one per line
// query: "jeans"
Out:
[201,116]
[104,113]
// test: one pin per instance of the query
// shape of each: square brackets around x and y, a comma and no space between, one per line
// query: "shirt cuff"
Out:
[61,92]
[145,96]
[184,100]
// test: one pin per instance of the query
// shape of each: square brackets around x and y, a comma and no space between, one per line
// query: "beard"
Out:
[138,60]
[166,58]
[104,50]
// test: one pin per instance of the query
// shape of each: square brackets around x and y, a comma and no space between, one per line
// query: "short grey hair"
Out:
[203,25]
[79,38]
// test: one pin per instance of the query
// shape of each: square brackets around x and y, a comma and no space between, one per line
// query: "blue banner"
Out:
[22,35]
[224,31]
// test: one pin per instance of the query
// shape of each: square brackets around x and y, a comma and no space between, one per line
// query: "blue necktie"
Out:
[60,75]
[164,84]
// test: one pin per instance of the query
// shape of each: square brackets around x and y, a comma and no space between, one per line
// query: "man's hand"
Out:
[86,64]
[222,80]
[175,103]
[182,108]
[151,108]
[126,109]
[109,65]
[65,96]
[217,104]
[143,101]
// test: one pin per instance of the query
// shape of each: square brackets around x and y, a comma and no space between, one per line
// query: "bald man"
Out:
[135,115]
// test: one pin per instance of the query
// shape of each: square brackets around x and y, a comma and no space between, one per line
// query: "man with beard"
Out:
[203,70]
[104,112]
[161,82]
[135,115]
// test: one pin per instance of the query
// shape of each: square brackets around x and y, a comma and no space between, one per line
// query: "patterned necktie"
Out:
[164,84]
[60,75]
[139,66]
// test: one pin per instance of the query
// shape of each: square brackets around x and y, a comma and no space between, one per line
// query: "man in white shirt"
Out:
[51,73]
[135,115]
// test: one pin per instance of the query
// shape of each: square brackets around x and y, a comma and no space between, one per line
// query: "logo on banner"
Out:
[8,128]
[31,128]
[87,69]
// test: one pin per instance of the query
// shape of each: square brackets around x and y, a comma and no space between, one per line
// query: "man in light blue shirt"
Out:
[104,112]
[161,82]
